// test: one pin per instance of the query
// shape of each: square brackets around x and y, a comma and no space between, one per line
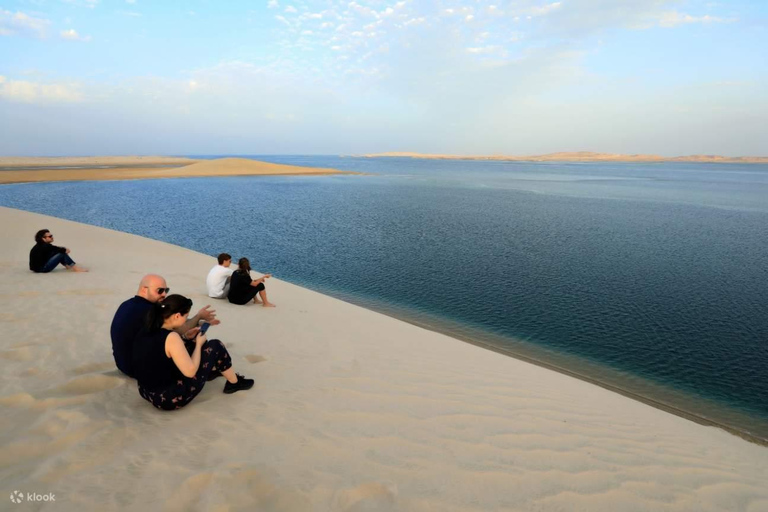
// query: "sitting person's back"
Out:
[217,281]
[154,370]
[243,289]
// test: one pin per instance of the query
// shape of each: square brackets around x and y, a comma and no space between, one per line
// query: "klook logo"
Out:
[18,496]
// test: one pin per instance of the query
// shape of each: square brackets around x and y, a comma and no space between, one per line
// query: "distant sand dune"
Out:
[583,156]
[128,171]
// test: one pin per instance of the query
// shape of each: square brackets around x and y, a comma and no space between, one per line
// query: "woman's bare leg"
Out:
[264,301]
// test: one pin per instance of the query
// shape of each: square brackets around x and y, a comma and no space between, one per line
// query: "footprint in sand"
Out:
[18,354]
[9,317]
[253,358]
[89,384]
[93,367]
[368,496]
[86,291]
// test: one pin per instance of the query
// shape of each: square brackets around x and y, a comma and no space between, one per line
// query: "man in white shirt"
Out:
[219,276]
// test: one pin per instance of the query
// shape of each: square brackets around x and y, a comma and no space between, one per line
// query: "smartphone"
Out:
[204,327]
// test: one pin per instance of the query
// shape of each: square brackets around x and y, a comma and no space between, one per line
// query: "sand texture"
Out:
[130,170]
[352,410]
[585,156]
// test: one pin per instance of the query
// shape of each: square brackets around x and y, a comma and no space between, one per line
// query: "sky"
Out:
[465,77]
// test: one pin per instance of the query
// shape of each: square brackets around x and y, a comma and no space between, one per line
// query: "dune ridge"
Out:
[352,410]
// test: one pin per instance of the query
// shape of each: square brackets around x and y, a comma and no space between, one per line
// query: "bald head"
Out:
[153,288]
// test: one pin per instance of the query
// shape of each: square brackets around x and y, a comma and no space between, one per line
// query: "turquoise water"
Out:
[646,277]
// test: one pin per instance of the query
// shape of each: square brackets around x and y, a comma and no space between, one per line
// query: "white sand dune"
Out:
[351,411]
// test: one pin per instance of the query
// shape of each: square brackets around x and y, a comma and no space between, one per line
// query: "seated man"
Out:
[219,276]
[131,315]
[44,256]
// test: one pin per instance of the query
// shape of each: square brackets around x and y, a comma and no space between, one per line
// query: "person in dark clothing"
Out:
[243,289]
[169,376]
[44,256]
[131,316]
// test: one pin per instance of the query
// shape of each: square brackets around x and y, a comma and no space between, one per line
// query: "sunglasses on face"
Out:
[161,291]
[48,236]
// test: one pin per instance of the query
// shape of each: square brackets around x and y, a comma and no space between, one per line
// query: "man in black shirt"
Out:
[44,256]
[130,316]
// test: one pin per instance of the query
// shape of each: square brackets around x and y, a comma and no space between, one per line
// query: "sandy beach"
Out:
[27,169]
[352,410]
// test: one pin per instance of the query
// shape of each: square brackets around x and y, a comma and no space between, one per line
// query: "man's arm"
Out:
[206,313]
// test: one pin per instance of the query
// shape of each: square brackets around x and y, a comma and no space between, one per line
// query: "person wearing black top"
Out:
[130,319]
[243,289]
[45,256]
[169,376]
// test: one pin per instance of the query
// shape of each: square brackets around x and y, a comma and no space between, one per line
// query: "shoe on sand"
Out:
[241,385]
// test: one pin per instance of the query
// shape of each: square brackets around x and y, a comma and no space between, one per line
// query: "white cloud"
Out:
[83,3]
[282,19]
[30,92]
[272,4]
[72,35]
[291,9]
[130,1]
[469,17]
[671,19]
[23,24]
[545,9]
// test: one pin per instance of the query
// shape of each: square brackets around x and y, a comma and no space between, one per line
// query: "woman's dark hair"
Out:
[40,234]
[243,265]
[171,305]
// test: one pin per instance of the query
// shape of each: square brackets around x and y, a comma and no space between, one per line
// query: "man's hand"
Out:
[66,250]
[209,315]
[190,334]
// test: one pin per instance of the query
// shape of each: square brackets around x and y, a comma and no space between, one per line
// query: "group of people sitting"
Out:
[236,285]
[153,338]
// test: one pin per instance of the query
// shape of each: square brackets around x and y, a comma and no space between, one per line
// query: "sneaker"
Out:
[241,384]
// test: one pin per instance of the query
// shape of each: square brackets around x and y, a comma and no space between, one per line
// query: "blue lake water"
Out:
[650,278]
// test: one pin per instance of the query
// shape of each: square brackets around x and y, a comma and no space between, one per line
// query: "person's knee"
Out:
[215,344]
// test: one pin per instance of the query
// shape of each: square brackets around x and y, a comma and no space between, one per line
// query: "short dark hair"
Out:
[224,257]
[40,234]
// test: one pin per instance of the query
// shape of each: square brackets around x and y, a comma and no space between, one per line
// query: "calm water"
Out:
[650,277]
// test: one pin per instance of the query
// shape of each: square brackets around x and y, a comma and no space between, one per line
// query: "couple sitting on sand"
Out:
[236,285]
[155,341]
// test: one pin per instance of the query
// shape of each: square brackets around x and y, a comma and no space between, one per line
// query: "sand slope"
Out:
[352,410]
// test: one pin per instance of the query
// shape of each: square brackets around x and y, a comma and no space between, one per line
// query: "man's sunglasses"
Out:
[160,291]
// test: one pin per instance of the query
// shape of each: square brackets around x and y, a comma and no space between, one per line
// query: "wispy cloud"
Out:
[671,19]
[83,3]
[72,35]
[22,24]
[31,92]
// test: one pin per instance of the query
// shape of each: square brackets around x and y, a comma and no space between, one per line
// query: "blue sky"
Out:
[81,77]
